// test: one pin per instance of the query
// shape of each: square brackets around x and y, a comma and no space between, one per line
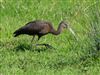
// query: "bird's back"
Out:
[36,27]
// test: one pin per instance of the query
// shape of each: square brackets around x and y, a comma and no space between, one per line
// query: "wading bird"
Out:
[41,28]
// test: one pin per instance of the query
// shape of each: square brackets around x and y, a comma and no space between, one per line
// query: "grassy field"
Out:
[68,57]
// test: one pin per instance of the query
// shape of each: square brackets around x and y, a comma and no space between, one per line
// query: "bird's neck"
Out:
[58,31]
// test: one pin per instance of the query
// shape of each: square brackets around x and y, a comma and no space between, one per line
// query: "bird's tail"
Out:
[17,33]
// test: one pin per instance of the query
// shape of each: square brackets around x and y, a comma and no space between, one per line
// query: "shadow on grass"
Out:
[22,47]
[37,47]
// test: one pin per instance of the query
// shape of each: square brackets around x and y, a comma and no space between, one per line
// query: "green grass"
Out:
[70,57]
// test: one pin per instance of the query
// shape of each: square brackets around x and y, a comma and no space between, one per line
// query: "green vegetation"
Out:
[70,57]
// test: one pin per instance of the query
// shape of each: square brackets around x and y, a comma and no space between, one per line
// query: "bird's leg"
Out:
[38,38]
[33,38]
[36,41]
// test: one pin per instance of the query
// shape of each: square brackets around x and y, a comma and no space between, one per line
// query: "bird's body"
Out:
[39,28]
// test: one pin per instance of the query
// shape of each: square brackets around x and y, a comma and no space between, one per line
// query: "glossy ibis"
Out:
[41,28]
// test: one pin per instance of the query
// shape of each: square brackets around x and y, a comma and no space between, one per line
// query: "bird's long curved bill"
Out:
[70,29]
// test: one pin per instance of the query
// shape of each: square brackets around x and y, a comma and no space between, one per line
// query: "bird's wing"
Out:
[45,29]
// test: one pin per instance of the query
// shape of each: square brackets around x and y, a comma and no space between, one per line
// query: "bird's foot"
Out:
[46,45]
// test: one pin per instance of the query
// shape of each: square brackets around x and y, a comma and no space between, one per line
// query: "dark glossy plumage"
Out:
[39,28]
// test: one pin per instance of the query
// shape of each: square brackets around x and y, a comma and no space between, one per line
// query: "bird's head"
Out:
[67,26]
[64,24]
